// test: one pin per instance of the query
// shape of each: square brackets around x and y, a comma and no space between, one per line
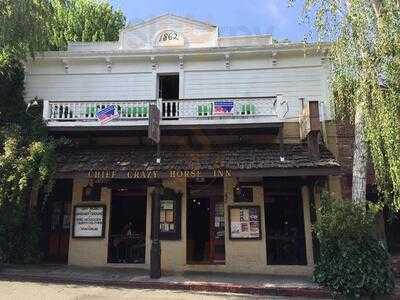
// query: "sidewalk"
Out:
[288,286]
[124,277]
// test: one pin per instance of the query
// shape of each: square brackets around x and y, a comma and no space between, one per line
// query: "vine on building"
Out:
[27,152]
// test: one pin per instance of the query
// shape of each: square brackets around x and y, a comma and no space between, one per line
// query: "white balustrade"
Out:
[86,111]
[182,109]
[170,109]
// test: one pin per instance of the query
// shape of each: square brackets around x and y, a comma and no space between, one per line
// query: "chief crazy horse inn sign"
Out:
[155,174]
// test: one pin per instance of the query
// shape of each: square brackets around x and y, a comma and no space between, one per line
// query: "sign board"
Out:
[107,114]
[170,215]
[89,221]
[154,123]
[244,222]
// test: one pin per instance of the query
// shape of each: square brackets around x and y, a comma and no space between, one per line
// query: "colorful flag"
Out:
[107,114]
[223,107]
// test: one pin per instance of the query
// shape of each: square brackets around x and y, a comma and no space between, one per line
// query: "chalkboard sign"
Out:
[89,221]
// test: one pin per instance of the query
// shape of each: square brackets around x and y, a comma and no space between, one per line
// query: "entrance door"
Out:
[284,222]
[127,243]
[205,222]
[59,215]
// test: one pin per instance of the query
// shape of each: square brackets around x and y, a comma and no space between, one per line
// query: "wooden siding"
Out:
[201,77]
[292,83]
[90,87]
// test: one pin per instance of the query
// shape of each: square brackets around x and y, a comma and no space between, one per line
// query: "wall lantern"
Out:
[242,193]
[91,192]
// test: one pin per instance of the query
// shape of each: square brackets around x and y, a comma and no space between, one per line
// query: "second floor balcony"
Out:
[182,112]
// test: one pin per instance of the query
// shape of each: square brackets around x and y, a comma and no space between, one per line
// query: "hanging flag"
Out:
[223,108]
[107,114]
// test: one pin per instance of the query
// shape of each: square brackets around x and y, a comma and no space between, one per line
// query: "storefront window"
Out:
[284,223]
[127,225]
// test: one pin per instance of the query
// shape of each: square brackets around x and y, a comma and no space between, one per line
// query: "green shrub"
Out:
[24,166]
[352,262]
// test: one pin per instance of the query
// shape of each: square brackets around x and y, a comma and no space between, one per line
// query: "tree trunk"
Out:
[359,188]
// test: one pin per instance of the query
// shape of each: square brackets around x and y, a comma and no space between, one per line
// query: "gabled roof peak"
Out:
[170,15]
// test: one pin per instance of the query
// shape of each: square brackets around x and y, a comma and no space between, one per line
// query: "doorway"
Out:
[168,86]
[127,237]
[284,222]
[168,91]
[57,222]
[205,222]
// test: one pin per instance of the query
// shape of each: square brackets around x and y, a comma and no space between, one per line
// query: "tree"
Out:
[85,21]
[27,161]
[365,83]
[23,26]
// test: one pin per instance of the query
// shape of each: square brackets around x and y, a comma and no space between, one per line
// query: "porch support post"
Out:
[155,252]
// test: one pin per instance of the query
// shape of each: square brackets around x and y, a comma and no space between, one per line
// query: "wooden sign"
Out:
[154,123]
[155,174]
[309,119]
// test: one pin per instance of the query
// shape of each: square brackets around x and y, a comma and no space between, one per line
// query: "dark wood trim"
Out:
[169,130]
[276,172]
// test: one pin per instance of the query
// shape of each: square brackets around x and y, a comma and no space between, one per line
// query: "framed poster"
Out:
[244,223]
[89,221]
[170,215]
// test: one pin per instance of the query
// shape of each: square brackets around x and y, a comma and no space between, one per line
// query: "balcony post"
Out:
[46,107]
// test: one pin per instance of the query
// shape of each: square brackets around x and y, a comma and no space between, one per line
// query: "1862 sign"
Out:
[170,38]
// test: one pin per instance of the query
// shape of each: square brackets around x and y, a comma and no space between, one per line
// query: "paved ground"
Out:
[128,278]
[13,290]
[127,275]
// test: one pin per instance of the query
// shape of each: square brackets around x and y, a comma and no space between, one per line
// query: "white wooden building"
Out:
[250,70]
[230,110]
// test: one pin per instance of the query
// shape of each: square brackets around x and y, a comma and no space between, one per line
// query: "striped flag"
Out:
[223,108]
[107,114]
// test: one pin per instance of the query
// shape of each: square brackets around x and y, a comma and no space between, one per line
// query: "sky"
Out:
[233,17]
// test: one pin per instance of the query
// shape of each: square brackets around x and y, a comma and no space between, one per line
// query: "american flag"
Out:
[223,107]
[107,114]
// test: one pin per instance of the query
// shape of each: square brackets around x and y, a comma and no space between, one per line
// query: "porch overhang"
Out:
[125,162]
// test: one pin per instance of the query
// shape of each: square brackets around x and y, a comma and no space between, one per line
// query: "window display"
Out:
[244,222]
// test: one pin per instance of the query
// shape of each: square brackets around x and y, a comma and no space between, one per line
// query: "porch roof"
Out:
[242,160]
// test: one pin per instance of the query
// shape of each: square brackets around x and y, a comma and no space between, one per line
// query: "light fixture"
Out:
[32,104]
[87,192]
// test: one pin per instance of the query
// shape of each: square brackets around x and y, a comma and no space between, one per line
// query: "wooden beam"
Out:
[310,127]
[275,172]
[309,119]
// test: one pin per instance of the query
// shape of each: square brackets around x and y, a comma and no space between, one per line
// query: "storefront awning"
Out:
[227,160]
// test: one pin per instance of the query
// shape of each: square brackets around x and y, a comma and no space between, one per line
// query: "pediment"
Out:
[169,31]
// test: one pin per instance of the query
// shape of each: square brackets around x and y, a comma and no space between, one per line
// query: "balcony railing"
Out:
[173,112]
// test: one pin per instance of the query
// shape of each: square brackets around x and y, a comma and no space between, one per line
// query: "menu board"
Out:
[167,216]
[170,215]
[89,221]
[244,222]
[219,221]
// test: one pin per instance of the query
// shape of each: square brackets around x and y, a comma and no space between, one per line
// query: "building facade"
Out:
[246,147]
